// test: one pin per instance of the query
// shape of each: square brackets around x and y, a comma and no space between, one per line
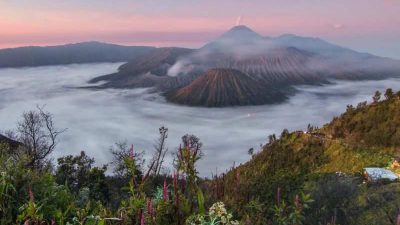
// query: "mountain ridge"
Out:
[82,52]
[278,62]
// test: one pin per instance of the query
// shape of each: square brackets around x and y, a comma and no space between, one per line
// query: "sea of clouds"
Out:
[98,118]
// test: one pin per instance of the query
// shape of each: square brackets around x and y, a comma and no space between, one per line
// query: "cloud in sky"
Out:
[337,26]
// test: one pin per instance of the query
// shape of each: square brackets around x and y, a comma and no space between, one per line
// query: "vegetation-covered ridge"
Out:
[302,177]
[328,164]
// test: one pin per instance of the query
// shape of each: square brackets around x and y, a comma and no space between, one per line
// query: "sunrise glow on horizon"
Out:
[371,26]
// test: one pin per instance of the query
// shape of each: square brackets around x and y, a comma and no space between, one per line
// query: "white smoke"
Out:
[239,20]
[181,66]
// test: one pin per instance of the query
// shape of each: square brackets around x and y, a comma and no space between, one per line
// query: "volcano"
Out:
[231,69]
[224,87]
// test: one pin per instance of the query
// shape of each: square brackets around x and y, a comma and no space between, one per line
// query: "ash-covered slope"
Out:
[147,71]
[288,59]
[224,87]
[280,65]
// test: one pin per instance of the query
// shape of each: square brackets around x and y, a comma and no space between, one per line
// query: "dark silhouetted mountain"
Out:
[157,61]
[224,87]
[86,52]
[147,71]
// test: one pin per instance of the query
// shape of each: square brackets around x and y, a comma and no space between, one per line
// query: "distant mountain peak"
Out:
[288,36]
[236,36]
[241,28]
[241,32]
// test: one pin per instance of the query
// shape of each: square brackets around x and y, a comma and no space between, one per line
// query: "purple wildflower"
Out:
[31,198]
[165,191]
[141,219]
[132,153]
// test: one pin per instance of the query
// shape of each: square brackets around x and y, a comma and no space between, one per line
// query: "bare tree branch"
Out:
[38,134]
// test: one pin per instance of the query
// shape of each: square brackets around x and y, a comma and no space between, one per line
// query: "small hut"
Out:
[376,174]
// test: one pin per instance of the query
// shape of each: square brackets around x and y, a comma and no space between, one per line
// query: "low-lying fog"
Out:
[98,118]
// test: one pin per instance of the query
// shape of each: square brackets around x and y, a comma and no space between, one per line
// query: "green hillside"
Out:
[364,136]
[375,124]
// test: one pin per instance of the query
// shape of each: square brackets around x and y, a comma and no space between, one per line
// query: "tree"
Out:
[310,128]
[389,93]
[271,138]
[160,151]
[284,133]
[250,151]
[37,133]
[187,156]
[349,108]
[193,142]
[98,185]
[120,153]
[377,96]
[362,105]
[77,172]
[73,171]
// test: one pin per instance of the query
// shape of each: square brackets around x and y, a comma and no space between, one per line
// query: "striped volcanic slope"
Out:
[224,87]
[286,65]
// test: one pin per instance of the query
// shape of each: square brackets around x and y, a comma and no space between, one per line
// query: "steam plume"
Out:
[239,20]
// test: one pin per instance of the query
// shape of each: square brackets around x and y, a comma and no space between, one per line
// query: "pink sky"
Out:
[368,26]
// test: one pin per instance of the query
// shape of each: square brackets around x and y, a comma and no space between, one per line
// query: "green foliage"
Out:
[352,159]
[364,136]
[332,195]
[372,125]
[77,172]
[7,191]
[200,201]
[294,214]
[284,164]
[187,157]
[31,212]
[375,205]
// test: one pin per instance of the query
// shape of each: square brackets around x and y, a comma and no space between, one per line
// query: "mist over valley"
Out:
[97,118]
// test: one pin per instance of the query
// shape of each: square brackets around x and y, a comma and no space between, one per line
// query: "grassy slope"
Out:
[367,135]
[371,125]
